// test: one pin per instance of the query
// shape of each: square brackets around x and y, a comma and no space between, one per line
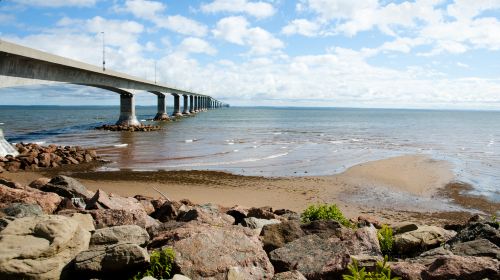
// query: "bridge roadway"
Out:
[20,66]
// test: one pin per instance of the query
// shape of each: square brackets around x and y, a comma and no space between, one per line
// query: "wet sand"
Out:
[406,188]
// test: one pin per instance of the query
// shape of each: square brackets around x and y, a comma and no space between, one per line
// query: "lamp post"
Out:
[103,53]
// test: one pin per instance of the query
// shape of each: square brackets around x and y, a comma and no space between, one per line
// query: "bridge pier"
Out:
[127,110]
[161,115]
[196,104]
[191,104]
[186,105]
[177,106]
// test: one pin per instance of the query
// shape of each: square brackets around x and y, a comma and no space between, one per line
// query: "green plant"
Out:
[385,239]
[160,266]
[324,212]
[382,272]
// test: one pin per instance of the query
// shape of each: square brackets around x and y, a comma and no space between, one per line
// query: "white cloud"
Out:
[182,25]
[153,11]
[257,9]
[235,30]
[144,9]
[466,9]
[303,27]
[58,3]
[196,45]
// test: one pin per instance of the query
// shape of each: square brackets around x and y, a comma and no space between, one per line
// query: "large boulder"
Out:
[101,200]
[277,235]
[205,251]
[327,229]
[256,223]
[166,212]
[314,257]
[206,215]
[119,259]
[113,217]
[462,267]
[20,210]
[326,258]
[478,248]
[67,187]
[478,230]
[120,234]
[47,201]
[419,240]
[289,275]
[42,247]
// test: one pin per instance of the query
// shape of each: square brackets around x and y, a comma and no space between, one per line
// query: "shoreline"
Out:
[418,188]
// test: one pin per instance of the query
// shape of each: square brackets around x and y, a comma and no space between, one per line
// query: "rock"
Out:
[261,213]
[365,220]
[47,201]
[39,183]
[478,248]
[164,227]
[462,267]
[147,205]
[277,235]
[325,229]
[149,278]
[326,258]
[120,234]
[20,210]
[111,217]
[10,184]
[101,200]
[204,251]
[419,240]
[407,270]
[119,259]
[41,247]
[238,213]
[166,212]
[403,227]
[208,216]
[478,230]
[255,223]
[289,275]
[67,187]
[180,277]
[287,214]
[313,256]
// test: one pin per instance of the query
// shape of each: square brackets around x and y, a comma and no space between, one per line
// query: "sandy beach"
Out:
[412,187]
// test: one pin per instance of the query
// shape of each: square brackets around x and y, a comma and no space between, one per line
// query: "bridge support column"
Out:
[186,105]
[191,104]
[161,115]
[127,110]
[177,106]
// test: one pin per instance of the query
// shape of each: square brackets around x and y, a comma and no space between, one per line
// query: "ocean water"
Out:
[275,141]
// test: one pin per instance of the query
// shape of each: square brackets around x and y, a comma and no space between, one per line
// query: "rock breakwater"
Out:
[33,156]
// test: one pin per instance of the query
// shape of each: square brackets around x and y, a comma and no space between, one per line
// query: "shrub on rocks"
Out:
[160,266]
[324,212]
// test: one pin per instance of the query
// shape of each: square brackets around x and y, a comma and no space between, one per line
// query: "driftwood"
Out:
[162,194]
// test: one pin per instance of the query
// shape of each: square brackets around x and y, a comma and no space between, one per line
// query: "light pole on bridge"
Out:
[103,53]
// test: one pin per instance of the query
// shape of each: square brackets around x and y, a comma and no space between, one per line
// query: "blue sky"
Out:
[366,53]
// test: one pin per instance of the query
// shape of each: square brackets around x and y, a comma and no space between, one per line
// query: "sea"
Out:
[274,141]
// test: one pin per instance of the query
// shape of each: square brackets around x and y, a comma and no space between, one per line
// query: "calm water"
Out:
[275,141]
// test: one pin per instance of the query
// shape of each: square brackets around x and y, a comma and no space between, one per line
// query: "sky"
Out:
[344,53]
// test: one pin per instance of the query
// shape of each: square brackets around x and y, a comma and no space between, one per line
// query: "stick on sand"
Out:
[162,194]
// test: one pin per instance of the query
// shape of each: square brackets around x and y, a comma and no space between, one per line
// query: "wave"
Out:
[120,145]
[200,164]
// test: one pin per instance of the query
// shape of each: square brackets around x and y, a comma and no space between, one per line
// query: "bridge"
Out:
[20,66]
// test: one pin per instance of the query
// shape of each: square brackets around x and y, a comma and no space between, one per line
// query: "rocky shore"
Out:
[58,229]
[33,156]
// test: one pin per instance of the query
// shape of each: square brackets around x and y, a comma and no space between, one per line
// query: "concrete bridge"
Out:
[21,66]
